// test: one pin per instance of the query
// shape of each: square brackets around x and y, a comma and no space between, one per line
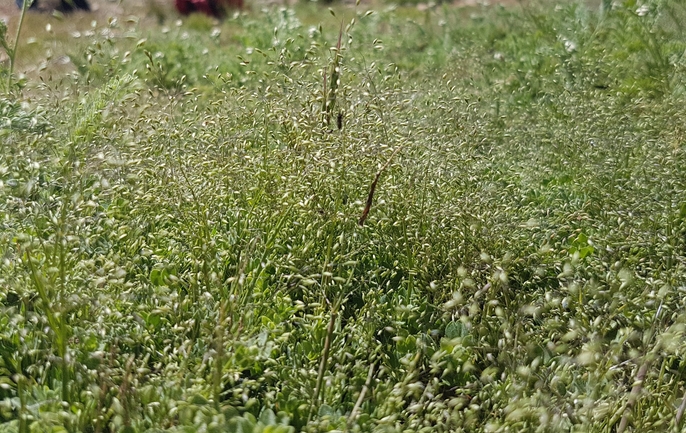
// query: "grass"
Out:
[441,220]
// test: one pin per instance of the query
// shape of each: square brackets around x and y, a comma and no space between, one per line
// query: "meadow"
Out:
[372,217]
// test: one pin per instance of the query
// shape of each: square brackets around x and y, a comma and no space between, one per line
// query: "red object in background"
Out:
[214,8]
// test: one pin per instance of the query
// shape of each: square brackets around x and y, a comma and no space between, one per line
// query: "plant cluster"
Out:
[438,220]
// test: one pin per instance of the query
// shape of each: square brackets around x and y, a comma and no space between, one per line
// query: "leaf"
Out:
[9,427]
[268,417]
[325,410]
[582,239]
[407,345]
[153,319]
[198,400]
[586,251]
[156,277]
[278,429]
[456,330]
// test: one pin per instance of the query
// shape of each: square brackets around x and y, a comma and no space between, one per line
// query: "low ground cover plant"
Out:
[446,219]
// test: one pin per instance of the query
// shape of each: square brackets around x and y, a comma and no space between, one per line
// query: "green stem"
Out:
[62,329]
[324,360]
[219,360]
[13,54]
[65,364]
[21,392]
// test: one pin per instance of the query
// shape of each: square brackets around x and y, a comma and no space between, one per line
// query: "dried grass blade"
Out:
[370,196]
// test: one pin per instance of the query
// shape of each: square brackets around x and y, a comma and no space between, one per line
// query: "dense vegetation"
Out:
[184,247]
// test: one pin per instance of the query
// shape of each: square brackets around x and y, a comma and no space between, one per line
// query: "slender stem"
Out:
[372,188]
[633,396]
[13,53]
[680,412]
[21,392]
[325,359]
[219,359]
[640,375]
[363,393]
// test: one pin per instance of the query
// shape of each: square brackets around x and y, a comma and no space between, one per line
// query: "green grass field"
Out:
[370,218]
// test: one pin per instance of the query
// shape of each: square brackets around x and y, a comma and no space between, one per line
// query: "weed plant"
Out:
[446,220]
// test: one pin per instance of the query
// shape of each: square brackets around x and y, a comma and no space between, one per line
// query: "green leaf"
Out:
[278,429]
[325,410]
[268,417]
[199,400]
[586,251]
[157,277]
[9,427]
[153,319]
[456,330]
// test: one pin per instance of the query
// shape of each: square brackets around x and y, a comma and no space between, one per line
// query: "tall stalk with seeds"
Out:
[334,82]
